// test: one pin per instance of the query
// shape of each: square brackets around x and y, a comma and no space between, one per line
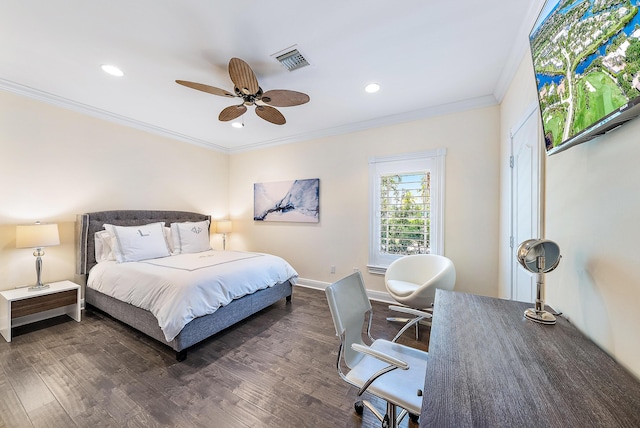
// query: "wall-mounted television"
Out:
[586,57]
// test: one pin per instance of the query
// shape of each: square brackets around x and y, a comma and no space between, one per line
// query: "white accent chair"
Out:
[388,370]
[412,281]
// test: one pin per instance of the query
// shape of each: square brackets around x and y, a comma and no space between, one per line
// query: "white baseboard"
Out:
[378,296]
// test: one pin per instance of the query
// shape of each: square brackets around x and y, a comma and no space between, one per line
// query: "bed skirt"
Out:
[196,330]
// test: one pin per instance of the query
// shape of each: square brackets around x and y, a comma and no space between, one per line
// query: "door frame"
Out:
[532,109]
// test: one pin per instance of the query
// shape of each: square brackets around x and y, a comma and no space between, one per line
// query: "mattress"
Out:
[180,288]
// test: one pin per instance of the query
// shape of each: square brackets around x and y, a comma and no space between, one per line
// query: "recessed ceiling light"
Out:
[112,70]
[372,88]
[237,124]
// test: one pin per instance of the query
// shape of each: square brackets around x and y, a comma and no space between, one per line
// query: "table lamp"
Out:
[539,256]
[37,236]
[224,227]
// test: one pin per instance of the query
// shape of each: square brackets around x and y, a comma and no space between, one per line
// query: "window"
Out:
[406,194]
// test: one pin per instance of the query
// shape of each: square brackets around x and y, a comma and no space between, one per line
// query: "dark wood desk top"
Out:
[491,367]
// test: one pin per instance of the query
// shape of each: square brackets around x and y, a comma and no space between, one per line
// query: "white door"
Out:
[526,149]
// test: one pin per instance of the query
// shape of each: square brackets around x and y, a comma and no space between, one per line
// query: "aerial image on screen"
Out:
[586,55]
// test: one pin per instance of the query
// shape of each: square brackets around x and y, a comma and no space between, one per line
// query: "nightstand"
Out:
[61,297]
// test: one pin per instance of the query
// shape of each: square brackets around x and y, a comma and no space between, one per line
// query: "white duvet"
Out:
[179,288]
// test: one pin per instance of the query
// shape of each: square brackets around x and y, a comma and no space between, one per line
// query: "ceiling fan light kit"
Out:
[247,88]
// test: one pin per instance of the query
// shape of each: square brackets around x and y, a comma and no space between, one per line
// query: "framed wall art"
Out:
[294,201]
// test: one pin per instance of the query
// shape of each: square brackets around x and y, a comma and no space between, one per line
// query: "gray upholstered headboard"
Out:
[90,223]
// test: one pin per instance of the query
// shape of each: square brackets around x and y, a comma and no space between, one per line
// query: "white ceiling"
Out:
[430,57]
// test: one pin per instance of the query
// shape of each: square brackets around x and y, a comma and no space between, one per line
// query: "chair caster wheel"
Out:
[359,407]
[414,418]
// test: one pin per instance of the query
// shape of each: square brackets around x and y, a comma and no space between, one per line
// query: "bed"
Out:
[200,327]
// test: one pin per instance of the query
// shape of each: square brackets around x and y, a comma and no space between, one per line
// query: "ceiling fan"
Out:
[246,87]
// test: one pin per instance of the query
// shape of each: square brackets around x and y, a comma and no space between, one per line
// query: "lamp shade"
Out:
[224,226]
[37,236]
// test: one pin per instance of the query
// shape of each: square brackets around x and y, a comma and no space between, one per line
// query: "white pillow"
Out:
[103,244]
[190,237]
[169,238]
[133,243]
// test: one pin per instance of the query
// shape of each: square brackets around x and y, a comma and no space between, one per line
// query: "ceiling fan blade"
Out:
[232,112]
[270,114]
[243,76]
[206,88]
[284,98]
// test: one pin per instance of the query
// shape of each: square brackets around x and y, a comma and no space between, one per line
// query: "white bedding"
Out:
[182,287]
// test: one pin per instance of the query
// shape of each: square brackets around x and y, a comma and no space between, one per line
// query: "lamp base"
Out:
[38,287]
[542,317]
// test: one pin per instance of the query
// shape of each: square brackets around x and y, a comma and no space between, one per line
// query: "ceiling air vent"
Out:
[292,60]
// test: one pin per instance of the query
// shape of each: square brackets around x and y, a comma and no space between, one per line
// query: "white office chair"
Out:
[412,281]
[388,370]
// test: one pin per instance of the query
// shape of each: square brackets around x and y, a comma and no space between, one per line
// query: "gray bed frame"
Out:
[195,331]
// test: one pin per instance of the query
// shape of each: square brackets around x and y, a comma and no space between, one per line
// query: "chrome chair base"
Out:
[389,420]
[405,328]
[420,317]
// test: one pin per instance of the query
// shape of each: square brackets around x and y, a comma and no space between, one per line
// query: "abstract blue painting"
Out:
[295,200]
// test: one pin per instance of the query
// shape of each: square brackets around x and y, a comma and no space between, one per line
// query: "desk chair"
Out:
[388,370]
[412,281]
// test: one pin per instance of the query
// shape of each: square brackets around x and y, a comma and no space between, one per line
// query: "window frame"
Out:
[432,161]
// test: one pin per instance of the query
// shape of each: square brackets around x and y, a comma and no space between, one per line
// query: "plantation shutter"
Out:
[405,207]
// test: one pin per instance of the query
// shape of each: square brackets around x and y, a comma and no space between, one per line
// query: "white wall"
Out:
[341,163]
[58,163]
[592,210]
[55,163]
[593,207]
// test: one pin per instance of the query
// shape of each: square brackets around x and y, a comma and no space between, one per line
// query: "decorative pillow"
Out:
[190,237]
[169,238]
[104,246]
[134,243]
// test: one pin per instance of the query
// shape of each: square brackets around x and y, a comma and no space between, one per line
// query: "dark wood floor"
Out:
[276,369]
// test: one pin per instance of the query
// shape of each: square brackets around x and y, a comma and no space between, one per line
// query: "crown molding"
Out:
[439,110]
[56,100]
[519,49]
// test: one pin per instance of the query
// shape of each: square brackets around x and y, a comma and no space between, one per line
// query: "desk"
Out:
[490,367]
